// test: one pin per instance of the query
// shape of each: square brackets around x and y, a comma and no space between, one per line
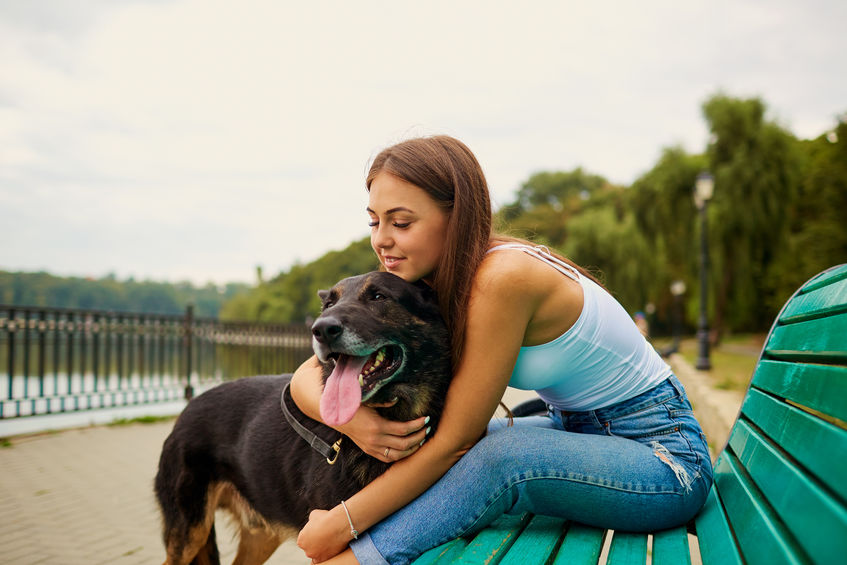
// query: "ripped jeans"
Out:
[640,465]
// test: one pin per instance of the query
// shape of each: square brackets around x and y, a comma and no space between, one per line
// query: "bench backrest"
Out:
[781,480]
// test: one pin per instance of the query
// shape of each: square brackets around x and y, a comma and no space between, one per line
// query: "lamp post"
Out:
[703,190]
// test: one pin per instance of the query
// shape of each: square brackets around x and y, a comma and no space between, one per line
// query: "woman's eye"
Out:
[402,226]
[373,223]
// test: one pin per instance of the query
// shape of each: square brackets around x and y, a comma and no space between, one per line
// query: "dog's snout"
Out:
[326,330]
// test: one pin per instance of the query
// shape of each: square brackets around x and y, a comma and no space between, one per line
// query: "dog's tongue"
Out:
[342,395]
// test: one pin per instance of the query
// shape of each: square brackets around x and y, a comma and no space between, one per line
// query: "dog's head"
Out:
[379,339]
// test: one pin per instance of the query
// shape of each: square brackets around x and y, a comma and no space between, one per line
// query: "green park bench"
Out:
[780,482]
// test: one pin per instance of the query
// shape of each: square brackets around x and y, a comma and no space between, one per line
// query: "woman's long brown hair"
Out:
[448,171]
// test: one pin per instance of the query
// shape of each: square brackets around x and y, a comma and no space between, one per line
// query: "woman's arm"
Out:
[500,308]
[371,432]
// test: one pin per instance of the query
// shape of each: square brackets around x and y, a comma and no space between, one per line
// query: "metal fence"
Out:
[56,360]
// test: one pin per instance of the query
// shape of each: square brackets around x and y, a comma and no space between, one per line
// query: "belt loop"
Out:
[561,414]
[674,381]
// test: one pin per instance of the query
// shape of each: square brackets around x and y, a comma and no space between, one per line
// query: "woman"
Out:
[620,447]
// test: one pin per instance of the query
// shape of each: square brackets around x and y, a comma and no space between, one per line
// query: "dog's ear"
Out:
[323,295]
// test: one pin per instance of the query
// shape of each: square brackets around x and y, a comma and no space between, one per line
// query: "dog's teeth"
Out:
[361,379]
[380,356]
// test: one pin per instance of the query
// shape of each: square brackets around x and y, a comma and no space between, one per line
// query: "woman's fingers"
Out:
[384,439]
[403,429]
[394,455]
[407,442]
[398,448]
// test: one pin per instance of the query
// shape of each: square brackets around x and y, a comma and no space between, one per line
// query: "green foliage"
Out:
[756,165]
[43,289]
[291,297]
[816,226]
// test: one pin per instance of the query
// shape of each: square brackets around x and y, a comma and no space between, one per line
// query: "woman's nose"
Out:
[381,239]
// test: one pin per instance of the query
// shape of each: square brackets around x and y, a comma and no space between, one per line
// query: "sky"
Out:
[194,140]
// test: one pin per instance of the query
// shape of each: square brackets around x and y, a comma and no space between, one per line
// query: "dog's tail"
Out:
[182,488]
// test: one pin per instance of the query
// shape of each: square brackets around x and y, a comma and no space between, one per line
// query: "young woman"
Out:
[619,448]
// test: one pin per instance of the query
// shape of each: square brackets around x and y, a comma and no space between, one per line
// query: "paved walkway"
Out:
[85,496]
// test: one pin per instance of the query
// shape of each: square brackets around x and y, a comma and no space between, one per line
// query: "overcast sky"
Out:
[194,139]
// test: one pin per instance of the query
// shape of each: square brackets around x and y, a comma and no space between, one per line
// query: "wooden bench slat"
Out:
[819,340]
[670,547]
[491,544]
[537,542]
[761,536]
[818,445]
[820,302]
[714,536]
[628,549]
[826,278]
[817,520]
[819,387]
[446,553]
[582,546]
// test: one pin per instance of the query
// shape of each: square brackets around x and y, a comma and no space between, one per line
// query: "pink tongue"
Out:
[342,394]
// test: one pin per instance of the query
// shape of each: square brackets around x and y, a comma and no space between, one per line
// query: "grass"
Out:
[140,420]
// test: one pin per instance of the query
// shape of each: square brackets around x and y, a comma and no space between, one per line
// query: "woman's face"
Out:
[408,228]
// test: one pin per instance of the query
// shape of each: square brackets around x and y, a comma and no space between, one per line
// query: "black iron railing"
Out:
[55,360]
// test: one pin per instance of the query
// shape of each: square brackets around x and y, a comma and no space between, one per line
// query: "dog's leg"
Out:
[255,547]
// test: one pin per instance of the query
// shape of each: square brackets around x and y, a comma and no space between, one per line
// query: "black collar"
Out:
[319,445]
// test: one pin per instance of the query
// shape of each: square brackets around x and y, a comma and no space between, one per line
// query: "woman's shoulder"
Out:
[509,271]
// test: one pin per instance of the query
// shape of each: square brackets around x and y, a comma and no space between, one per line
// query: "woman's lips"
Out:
[391,262]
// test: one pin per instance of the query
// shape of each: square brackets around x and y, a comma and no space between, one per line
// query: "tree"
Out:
[756,167]
[816,225]
[662,203]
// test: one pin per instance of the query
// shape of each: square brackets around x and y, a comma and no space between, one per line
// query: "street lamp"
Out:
[703,190]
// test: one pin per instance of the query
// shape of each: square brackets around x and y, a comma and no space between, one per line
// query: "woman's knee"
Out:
[498,449]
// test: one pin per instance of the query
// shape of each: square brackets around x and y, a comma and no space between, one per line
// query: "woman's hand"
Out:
[386,440]
[325,535]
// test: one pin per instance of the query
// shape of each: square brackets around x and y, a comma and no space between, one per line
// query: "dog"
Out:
[380,341]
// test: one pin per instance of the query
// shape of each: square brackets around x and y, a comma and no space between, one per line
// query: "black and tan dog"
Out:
[378,339]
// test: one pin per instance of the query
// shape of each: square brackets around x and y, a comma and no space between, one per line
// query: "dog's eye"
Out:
[327,304]
[377,295]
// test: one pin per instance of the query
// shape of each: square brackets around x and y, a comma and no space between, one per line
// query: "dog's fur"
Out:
[232,448]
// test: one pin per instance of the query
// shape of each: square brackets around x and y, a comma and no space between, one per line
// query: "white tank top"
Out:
[601,360]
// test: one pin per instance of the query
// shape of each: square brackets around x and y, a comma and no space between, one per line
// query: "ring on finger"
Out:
[387,449]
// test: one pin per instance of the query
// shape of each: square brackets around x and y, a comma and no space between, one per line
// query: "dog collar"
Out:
[319,445]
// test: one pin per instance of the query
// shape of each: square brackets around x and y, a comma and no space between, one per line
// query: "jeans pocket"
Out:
[655,421]
[670,424]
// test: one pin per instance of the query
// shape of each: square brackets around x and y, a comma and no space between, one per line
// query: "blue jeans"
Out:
[640,465]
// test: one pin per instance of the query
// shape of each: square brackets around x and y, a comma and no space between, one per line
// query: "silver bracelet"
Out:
[353,531]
